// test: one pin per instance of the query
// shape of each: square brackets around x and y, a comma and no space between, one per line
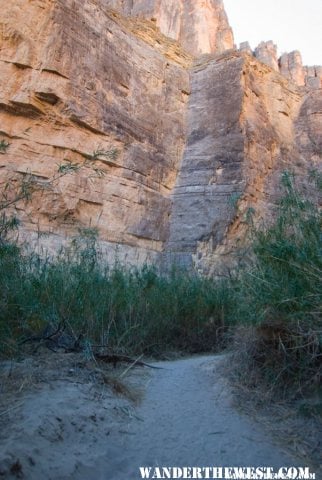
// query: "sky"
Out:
[291,24]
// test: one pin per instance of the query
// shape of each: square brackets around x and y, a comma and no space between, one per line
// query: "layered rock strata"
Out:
[84,80]
[200,131]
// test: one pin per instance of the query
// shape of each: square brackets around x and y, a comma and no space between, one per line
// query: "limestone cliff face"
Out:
[77,78]
[200,139]
[199,26]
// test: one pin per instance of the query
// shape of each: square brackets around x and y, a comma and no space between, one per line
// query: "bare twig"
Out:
[114,358]
[11,408]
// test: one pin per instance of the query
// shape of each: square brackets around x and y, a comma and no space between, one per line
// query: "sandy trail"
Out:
[186,419]
[67,430]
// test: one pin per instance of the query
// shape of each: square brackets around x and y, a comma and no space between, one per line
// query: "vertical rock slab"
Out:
[291,67]
[308,129]
[266,52]
[246,124]
[211,169]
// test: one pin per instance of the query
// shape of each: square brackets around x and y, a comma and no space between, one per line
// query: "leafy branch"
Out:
[4,146]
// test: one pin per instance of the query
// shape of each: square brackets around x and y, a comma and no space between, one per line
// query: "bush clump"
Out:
[280,298]
[127,310]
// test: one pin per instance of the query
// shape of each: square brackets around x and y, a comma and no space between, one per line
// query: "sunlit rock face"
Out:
[291,67]
[266,52]
[200,139]
[200,26]
[77,78]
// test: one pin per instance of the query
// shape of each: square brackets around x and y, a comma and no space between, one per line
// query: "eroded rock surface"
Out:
[246,124]
[290,65]
[199,26]
[200,130]
[266,52]
[92,80]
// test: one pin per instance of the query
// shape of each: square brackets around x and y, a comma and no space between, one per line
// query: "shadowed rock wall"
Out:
[246,124]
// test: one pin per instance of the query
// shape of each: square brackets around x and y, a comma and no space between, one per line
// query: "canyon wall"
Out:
[159,133]
[246,125]
[77,79]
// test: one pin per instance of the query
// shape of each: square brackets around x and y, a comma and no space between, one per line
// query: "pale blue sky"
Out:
[291,24]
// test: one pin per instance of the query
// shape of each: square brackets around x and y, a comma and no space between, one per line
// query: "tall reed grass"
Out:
[129,310]
[280,296]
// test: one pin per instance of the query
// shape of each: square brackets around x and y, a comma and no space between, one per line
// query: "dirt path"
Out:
[186,419]
[68,431]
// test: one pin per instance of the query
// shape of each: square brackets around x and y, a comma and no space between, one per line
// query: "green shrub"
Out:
[129,310]
[280,296]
